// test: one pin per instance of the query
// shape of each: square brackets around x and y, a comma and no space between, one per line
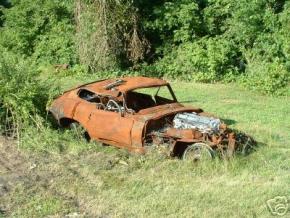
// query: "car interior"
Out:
[135,100]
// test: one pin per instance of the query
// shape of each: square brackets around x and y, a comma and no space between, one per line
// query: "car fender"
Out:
[63,108]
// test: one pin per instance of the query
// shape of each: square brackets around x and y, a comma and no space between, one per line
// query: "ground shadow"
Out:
[187,101]
[246,144]
[229,121]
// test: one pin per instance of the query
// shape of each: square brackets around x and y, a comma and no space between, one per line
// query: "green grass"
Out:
[96,181]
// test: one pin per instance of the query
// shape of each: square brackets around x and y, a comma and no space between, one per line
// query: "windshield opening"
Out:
[143,98]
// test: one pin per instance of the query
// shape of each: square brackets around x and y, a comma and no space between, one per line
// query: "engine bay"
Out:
[188,125]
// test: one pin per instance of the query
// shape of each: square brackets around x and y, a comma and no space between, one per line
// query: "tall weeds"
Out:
[23,97]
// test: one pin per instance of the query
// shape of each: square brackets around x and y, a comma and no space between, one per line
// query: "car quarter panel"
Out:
[64,108]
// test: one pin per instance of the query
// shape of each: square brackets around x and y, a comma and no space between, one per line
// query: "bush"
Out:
[207,60]
[209,41]
[23,96]
[43,30]
[268,78]
[204,41]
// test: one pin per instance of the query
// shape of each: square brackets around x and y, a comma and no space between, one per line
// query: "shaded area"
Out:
[229,122]
[246,144]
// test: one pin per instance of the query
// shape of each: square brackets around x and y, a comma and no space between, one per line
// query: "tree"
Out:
[108,34]
[41,30]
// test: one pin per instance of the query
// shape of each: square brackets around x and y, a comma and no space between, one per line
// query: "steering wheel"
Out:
[113,106]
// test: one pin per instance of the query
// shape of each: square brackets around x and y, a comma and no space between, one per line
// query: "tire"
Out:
[198,152]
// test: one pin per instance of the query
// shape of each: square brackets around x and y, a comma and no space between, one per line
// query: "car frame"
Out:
[104,110]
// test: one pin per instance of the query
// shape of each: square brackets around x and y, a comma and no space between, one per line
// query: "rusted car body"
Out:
[114,112]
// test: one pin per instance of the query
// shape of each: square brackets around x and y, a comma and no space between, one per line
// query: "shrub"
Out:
[207,60]
[41,29]
[23,97]
[268,78]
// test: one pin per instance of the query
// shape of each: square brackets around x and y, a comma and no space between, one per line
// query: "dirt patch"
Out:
[14,167]
[48,184]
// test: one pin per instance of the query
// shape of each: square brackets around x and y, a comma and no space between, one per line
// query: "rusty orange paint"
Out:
[103,112]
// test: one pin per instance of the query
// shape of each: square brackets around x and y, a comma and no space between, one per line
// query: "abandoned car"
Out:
[139,113]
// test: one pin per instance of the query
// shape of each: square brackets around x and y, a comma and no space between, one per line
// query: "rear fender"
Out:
[63,108]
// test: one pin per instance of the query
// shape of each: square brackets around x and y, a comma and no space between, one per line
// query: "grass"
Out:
[94,181]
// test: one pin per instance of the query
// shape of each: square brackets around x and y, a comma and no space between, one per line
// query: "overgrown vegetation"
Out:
[68,176]
[224,40]
[244,43]
[24,95]
[108,34]
[19,94]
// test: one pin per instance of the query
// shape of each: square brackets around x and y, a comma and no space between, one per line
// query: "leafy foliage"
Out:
[42,30]
[268,78]
[23,96]
[243,41]
[206,60]
[177,21]
[223,40]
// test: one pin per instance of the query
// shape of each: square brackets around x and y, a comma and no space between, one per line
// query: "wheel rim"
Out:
[198,152]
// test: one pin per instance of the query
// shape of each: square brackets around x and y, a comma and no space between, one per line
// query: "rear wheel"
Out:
[198,152]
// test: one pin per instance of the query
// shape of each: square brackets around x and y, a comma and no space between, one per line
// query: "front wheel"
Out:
[198,152]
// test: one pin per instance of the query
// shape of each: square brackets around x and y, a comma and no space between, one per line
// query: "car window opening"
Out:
[135,100]
[144,98]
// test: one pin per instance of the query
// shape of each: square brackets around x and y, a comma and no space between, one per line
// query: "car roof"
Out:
[123,85]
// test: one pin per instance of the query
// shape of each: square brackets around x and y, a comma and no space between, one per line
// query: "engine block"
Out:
[194,121]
